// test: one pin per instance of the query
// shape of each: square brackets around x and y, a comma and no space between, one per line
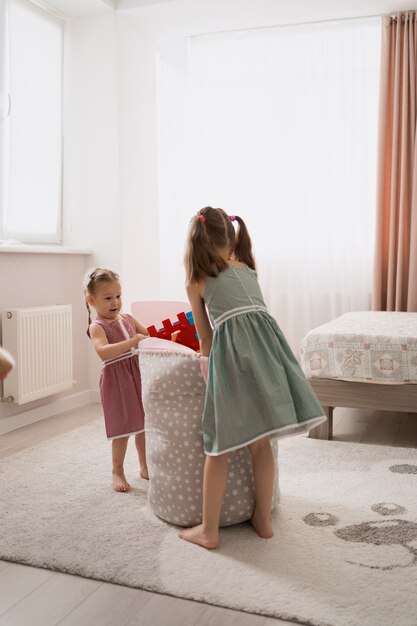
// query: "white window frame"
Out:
[54,236]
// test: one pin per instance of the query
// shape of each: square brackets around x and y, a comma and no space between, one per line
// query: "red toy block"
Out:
[185,333]
[162,333]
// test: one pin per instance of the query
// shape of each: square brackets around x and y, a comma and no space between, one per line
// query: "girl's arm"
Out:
[201,320]
[140,328]
[106,350]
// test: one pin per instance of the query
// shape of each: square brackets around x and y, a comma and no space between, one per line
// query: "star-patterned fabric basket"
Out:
[173,392]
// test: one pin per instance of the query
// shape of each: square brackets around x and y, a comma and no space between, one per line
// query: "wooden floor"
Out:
[37,597]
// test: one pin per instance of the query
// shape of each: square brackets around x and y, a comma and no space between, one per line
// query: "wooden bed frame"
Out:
[334,393]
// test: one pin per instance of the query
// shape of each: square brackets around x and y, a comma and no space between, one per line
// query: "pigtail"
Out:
[89,317]
[201,258]
[243,245]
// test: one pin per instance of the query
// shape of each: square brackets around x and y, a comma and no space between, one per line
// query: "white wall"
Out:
[91,139]
[138,166]
[91,158]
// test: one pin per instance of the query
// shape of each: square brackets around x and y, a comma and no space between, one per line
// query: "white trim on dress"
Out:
[125,355]
[136,432]
[314,422]
[238,311]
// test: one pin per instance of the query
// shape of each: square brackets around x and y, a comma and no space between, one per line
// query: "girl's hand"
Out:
[136,338]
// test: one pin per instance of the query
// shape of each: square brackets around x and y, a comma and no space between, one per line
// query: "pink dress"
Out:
[120,383]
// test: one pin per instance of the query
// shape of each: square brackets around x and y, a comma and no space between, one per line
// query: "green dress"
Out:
[255,385]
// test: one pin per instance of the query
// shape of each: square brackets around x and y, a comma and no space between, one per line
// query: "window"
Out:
[31,80]
[278,125]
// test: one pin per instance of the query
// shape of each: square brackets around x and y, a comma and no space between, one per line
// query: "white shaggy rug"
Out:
[344,551]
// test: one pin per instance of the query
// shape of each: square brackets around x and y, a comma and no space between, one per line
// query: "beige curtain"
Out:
[395,270]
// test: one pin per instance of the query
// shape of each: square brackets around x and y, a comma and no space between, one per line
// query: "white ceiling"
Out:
[130,4]
[79,8]
[76,8]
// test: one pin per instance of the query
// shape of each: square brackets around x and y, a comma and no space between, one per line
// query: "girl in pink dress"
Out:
[115,337]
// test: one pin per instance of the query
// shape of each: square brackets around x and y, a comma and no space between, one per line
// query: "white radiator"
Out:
[40,340]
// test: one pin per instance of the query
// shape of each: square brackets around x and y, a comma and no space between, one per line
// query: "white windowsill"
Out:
[44,249]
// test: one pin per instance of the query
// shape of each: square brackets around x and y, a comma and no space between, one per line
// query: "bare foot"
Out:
[120,483]
[263,526]
[200,537]
[143,473]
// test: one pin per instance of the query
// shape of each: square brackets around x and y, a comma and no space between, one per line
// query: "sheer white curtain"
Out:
[278,126]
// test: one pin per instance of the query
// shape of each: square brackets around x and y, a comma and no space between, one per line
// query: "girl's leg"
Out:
[118,456]
[263,475]
[140,447]
[206,534]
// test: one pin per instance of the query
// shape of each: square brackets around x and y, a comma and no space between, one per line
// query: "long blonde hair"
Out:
[212,230]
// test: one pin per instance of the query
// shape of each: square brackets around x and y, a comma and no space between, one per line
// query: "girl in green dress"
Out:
[255,387]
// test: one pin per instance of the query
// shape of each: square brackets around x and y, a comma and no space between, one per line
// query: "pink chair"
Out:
[152,312]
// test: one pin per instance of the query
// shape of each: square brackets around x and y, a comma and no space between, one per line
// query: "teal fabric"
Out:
[255,385]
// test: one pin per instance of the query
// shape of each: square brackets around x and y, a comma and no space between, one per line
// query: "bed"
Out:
[365,359]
